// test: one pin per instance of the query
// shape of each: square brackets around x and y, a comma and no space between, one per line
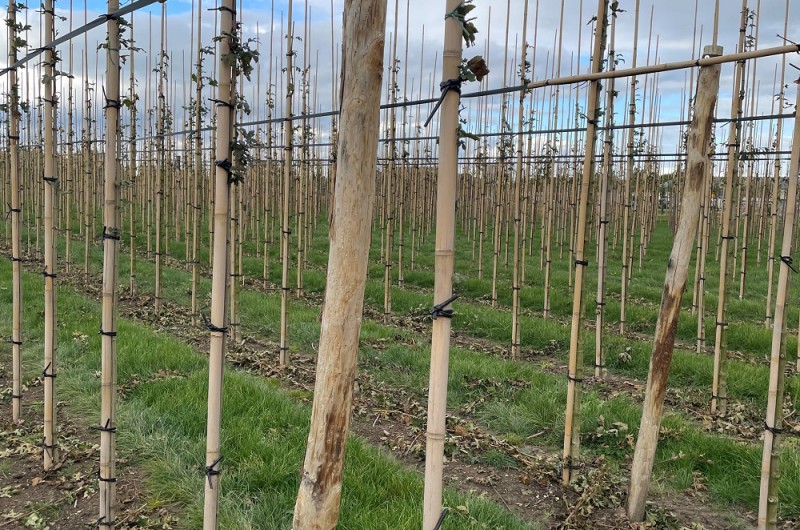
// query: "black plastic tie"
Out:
[211,327]
[440,311]
[445,87]
[50,180]
[723,324]
[107,333]
[789,263]
[575,379]
[105,479]
[49,275]
[221,103]
[581,262]
[774,430]
[14,342]
[110,233]
[441,519]
[212,471]
[51,375]
[105,428]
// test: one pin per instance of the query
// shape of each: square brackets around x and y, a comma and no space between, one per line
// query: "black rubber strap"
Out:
[445,87]
[440,311]
[212,471]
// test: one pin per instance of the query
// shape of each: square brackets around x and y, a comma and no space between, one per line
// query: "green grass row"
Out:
[161,427]
[686,452]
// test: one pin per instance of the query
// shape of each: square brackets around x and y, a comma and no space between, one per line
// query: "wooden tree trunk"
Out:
[111,241]
[768,504]
[444,265]
[319,496]
[217,323]
[699,142]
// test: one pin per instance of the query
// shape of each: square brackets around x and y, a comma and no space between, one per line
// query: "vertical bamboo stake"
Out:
[16,210]
[318,499]
[768,503]
[286,233]
[572,424]
[50,183]
[629,168]
[774,198]
[552,179]
[221,254]
[698,147]
[160,177]
[516,283]
[751,163]
[111,240]
[500,175]
[606,174]
[444,265]
[133,97]
[388,208]
[198,157]
[719,393]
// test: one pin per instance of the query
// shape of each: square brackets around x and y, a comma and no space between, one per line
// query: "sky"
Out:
[420,30]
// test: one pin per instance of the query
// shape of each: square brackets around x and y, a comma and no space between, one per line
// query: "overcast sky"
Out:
[673,32]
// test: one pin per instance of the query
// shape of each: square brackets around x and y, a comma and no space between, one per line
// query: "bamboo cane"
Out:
[719,387]
[698,146]
[198,157]
[132,173]
[15,211]
[768,505]
[287,175]
[516,275]
[774,199]
[606,174]
[574,377]
[628,177]
[552,180]
[318,499]
[111,240]
[217,323]
[50,183]
[445,261]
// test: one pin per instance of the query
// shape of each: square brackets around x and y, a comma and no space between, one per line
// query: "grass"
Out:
[687,454]
[161,428]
